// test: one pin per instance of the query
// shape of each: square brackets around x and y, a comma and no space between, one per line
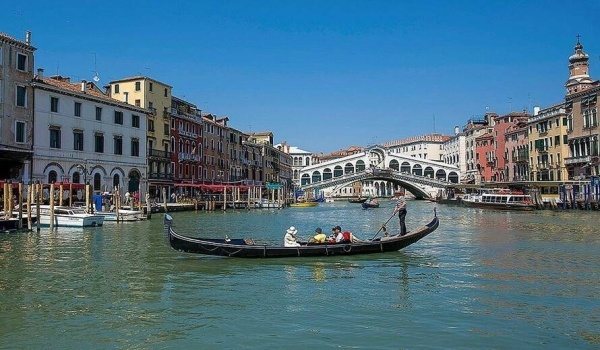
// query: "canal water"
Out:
[484,279]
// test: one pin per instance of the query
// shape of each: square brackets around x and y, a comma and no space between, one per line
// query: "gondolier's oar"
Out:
[388,220]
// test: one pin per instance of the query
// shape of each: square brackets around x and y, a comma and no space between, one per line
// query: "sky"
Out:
[323,75]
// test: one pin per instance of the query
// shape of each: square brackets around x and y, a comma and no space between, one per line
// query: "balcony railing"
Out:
[159,153]
[580,159]
[160,176]
[188,157]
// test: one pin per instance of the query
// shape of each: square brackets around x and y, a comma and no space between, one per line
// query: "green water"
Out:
[484,279]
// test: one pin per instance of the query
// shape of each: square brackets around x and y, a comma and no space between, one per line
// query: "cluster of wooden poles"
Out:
[34,198]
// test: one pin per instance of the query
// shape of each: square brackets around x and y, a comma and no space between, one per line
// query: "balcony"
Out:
[189,134]
[188,157]
[575,160]
[158,153]
[152,111]
[160,176]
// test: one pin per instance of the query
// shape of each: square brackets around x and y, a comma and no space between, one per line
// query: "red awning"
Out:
[213,188]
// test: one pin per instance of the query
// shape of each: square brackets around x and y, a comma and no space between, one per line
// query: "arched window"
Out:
[116,182]
[395,165]
[97,182]
[52,176]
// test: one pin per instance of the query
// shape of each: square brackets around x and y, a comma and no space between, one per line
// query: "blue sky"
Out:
[323,75]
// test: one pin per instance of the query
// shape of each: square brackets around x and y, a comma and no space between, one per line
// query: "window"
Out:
[166,93]
[119,117]
[54,104]
[22,62]
[98,113]
[78,140]
[135,147]
[150,105]
[99,143]
[150,86]
[138,86]
[21,96]
[20,130]
[54,137]
[166,129]
[77,110]
[138,103]
[151,125]
[135,121]
[118,144]
[116,88]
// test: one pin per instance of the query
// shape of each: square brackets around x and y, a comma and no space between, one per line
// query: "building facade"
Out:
[186,142]
[16,107]
[83,136]
[582,117]
[154,96]
[548,143]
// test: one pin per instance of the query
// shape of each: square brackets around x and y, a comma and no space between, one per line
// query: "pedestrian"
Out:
[400,208]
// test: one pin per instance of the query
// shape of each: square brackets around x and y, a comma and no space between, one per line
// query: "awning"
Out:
[213,188]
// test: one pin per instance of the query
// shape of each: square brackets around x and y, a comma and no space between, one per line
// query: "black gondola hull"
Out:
[245,248]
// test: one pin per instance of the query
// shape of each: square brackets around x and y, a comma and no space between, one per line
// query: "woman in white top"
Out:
[289,240]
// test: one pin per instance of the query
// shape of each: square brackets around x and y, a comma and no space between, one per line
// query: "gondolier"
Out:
[400,208]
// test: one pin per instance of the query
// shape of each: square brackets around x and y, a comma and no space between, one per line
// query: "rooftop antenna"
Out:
[434,123]
[96,78]
[509,104]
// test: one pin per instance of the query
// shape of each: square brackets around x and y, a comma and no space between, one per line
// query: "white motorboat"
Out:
[66,217]
[122,215]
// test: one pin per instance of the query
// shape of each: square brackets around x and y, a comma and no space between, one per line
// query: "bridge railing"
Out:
[372,173]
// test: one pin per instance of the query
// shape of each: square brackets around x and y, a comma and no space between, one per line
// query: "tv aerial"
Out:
[96,78]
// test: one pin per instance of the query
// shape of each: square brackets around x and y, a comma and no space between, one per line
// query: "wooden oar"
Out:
[388,220]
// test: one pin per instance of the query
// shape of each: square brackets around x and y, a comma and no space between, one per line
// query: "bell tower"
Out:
[579,78]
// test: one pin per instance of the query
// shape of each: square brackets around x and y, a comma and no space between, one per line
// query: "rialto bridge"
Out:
[384,170]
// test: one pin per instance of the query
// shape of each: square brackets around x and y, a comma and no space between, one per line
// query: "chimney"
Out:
[40,74]
[83,86]
[28,38]
[536,110]
[126,96]
[456,130]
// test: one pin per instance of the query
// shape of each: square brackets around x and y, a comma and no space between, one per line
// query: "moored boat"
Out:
[247,248]
[66,217]
[122,215]
[304,204]
[499,199]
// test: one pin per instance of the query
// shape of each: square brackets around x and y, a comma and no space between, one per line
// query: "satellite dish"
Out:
[96,78]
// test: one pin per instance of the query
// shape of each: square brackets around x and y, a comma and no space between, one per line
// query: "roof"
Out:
[91,90]
[138,77]
[19,43]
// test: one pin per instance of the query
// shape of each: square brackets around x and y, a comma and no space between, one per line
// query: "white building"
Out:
[300,159]
[83,136]
[430,147]
[455,151]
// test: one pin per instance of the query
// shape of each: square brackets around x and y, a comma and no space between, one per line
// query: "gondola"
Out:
[370,204]
[357,200]
[247,248]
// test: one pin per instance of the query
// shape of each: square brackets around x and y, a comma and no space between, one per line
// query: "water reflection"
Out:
[529,277]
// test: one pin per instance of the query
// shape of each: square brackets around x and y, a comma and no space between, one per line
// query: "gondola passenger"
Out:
[319,236]
[290,239]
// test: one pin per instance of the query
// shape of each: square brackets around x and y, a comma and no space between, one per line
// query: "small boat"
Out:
[68,217]
[304,204]
[8,224]
[500,199]
[123,215]
[370,204]
[247,248]
[357,200]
